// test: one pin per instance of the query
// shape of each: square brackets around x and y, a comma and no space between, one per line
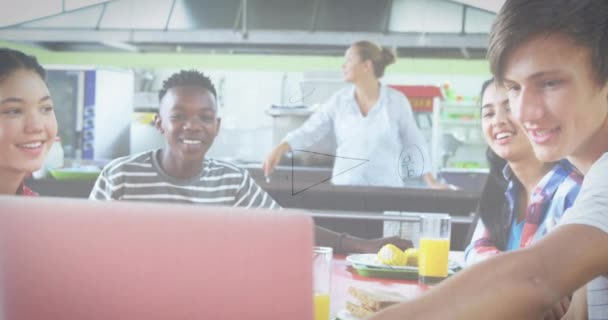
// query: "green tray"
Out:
[73,174]
[368,271]
[404,274]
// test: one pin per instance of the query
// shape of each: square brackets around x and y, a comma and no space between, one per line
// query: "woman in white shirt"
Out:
[371,123]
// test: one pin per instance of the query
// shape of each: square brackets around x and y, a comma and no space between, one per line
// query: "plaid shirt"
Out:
[554,194]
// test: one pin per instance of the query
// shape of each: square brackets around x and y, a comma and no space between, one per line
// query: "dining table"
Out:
[344,276]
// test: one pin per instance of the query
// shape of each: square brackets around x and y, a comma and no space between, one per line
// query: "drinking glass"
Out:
[321,258]
[434,248]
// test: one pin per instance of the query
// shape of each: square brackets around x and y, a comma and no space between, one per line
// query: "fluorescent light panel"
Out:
[121,45]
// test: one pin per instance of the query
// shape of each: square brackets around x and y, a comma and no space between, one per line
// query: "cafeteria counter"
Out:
[305,188]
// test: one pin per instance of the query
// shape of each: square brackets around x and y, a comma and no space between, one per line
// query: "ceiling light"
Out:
[121,45]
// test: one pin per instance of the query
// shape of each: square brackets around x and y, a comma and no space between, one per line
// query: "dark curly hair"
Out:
[12,60]
[187,78]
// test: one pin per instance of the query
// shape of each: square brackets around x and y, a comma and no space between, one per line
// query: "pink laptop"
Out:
[78,259]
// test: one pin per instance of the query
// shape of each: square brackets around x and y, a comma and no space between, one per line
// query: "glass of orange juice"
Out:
[434,248]
[322,281]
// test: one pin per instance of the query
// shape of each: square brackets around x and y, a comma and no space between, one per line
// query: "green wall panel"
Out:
[245,62]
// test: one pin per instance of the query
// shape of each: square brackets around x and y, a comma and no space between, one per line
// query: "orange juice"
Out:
[433,258]
[321,302]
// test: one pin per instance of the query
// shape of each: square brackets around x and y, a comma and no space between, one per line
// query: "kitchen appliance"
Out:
[106,122]
[286,119]
[314,89]
[93,108]
[144,135]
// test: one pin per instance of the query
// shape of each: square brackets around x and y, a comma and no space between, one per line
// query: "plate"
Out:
[370,260]
[376,272]
[345,315]
[75,173]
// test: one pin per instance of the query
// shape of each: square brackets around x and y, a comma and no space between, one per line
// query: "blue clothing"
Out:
[515,235]
[555,193]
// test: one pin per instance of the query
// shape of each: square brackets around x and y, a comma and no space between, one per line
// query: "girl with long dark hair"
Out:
[27,120]
[523,197]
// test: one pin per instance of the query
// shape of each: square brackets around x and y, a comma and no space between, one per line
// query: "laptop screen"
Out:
[79,259]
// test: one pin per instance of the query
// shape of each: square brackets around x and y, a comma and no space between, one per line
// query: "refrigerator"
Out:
[94,108]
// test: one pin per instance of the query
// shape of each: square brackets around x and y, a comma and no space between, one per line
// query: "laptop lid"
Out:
[77,259]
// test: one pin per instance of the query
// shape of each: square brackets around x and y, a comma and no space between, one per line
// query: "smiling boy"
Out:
[552,56]
[181,173]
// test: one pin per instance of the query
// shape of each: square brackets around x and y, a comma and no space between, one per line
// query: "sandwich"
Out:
[370,302]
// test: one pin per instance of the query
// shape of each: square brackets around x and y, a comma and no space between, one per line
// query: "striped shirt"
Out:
[141,178]
[553,194]
[591,208]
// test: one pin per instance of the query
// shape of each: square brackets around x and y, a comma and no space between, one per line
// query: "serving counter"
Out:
[311,189]
[337,206]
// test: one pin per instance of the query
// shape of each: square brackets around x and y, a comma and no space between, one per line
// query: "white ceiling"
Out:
[23,11]
[489,5]
[266,25]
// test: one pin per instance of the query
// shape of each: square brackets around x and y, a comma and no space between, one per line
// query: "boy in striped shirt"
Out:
[180,172]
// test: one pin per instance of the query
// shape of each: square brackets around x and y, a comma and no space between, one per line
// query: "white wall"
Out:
[244,96]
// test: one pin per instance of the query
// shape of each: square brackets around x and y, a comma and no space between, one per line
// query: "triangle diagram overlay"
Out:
[299,189]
